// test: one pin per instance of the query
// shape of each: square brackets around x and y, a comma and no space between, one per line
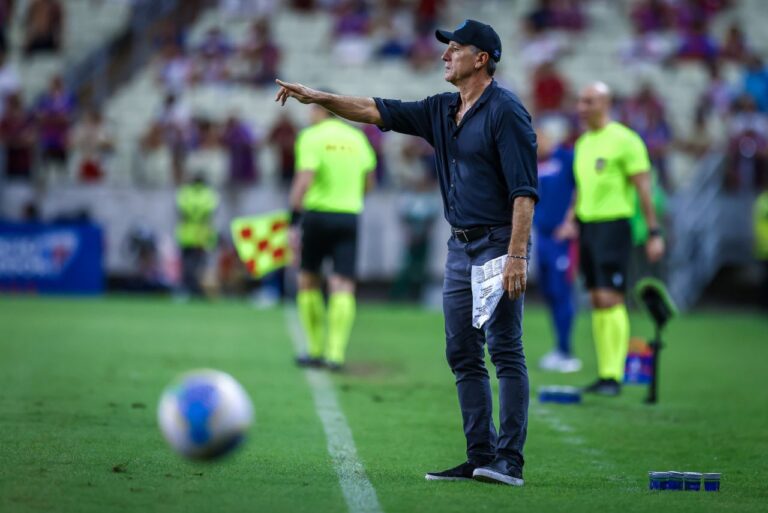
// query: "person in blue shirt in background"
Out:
[554,251]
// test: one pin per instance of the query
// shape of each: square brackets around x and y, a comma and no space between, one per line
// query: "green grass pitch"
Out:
[80,380]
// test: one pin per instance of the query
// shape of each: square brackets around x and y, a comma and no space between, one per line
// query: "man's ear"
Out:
[483,60]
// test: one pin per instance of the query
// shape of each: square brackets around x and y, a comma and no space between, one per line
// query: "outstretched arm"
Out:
[353,108]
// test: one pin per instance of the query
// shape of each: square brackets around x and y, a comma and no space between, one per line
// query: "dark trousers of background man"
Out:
[192,266]
[466,355]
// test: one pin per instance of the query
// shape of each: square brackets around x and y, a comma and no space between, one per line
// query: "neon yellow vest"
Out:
[196,204]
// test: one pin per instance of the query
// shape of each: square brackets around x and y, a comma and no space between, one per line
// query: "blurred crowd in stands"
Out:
[54,132]
[667,33]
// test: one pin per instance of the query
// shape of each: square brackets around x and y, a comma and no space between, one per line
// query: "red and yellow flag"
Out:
[262,242]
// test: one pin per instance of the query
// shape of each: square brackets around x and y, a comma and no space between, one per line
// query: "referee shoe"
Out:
[606,387]
[309,361]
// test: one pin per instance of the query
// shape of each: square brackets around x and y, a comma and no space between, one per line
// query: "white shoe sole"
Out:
[431,477]
[489,476]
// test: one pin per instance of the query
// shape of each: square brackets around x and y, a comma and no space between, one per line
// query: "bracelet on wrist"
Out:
[654,232]
[295,217]
[518,257]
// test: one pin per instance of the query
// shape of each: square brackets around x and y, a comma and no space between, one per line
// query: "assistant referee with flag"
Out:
[611,167]
[333,172]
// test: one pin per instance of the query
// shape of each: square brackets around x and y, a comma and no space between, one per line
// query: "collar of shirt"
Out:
[453,104]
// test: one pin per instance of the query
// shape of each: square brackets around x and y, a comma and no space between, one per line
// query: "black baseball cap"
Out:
[471,32]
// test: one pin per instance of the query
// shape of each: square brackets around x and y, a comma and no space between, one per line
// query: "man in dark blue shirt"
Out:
[485,151]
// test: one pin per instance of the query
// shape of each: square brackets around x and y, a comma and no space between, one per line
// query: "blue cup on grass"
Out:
[675,481]
[711,482]
[658,480]
[559,394]
[692,481]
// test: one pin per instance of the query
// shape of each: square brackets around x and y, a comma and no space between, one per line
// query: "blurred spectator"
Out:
[394,44]
[209,68]
[93,143]
[689,13]
[756,82]
[261,53]
[651,16]
[748,146]
[43,27]
[215,44]
[568,14]
[241,144]
[283,137]
[54,114]
[351,29]
[207,160]
[718,96]
[549,89]
[18,137]
[210,62]
[174,118]
[556,14]
[394,27]
[645,114]
[154,165]
[376,139]
[9,79]
[646,47]
[175,69]
[428,12]
[542,16]
[697,44]
[6,15]
[735,45]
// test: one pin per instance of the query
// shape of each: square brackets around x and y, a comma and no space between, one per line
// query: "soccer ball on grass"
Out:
[204,414]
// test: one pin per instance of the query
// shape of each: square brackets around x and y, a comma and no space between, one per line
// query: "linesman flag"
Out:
[262,242]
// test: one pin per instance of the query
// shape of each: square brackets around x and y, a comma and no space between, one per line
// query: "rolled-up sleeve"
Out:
[516,142]
[412,118]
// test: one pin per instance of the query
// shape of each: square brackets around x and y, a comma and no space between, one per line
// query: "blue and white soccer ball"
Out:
[204,414]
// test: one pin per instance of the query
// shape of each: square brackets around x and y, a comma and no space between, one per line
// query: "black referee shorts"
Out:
[604,253]
[329,235]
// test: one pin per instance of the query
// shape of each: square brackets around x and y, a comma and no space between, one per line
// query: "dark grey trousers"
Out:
[466,356]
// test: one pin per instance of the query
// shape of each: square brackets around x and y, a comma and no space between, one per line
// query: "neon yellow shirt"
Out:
[341,157]
[604,161]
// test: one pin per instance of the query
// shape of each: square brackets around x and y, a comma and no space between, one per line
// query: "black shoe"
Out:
[499,471]
[334,366]
[606,387]
[309,361]
[461,472]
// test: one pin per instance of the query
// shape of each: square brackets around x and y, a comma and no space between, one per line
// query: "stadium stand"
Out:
[85,26]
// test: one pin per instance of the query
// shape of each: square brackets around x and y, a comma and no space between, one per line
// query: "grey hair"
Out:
[490,66]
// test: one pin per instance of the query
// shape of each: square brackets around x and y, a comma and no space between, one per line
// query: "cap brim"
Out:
[443,36]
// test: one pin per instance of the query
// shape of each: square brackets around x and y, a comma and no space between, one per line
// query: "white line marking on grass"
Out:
[357,489]
[596,455]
